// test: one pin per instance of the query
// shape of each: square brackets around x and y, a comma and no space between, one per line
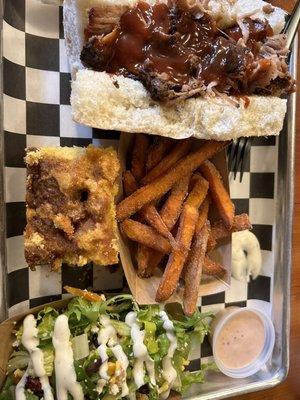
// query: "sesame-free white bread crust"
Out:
[111,102]
[119,103]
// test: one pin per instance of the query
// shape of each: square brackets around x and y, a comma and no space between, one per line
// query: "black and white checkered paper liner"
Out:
[37,113]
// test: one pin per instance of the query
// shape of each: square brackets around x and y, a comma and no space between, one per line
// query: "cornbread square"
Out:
[70,206]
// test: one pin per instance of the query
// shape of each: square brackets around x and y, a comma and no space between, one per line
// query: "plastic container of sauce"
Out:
[242,340]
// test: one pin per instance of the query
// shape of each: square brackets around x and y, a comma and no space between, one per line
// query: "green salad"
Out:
[103,349]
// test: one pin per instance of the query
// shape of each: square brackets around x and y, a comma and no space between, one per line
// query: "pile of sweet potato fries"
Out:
[169,191]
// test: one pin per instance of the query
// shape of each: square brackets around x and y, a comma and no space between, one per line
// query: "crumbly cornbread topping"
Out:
[70,206]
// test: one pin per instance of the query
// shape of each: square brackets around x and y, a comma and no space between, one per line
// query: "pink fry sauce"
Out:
[241,340]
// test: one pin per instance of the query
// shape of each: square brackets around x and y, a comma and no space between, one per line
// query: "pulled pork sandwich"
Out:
[179,68]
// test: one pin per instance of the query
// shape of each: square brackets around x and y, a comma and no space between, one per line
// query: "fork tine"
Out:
[238,156]
[245,155]
[232,153]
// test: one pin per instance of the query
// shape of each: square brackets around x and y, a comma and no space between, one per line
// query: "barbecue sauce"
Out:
[177,44]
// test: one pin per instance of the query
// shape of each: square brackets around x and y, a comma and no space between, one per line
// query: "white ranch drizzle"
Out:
[169,372]
[64,363]
[20,393]
[105,335]
[123,360]
[101,383]
[30,341]
[107,338]
[140,352]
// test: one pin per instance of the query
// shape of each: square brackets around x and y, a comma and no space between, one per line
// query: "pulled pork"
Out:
[177,51]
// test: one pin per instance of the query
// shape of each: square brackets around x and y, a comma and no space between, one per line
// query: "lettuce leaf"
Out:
[197,324]
[82,313]
[18,360]
[120,305]
[149,313]
[18,333]
[88,376]
[150,337]
[48,353]
[82,307]
[189,378]
[45,322]
[121,328]
[30,396]
[8,389]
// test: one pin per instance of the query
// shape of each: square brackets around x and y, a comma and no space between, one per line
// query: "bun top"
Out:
[228,12]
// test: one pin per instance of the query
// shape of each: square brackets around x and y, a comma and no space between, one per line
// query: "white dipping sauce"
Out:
[246,256]
[64,363]
[140,352]
[30,341]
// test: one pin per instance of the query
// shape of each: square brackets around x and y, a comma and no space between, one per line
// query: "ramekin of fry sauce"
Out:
[242,340]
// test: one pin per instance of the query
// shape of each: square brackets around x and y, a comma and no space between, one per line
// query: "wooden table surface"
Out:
[290,388]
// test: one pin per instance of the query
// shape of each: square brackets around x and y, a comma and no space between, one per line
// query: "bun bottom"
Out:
[113,102]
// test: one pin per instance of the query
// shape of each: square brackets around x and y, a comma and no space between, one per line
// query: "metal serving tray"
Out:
[277,368]
[217,386]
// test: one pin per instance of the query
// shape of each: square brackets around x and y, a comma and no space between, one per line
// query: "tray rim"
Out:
[284,251]
[3,293]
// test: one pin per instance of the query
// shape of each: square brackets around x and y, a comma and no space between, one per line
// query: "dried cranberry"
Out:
[95,340]
[144,389]
[93,367]
[34,384]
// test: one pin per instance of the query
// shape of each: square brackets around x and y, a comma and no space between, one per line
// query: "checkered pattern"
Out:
[37,113]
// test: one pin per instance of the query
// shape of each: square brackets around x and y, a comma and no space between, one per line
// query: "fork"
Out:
[239,149]
[238,153]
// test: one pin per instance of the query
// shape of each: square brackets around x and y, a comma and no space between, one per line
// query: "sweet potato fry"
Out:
[145,235]
[218,192]
[172,207]
[219,231]
[169,213]
[129,183]
[177,258]
[198,192]
[148,212]
[241,222]
[143,260]
[203,214]
[195,198]
[145,255]
[157,151]
[147,260]
[211,267]
[151,215]
[139,156]
[151,258]
[179,151]
[163,184]
[212,243]
[193,269]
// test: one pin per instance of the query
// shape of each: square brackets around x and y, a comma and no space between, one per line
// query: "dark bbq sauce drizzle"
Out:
[179,45]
